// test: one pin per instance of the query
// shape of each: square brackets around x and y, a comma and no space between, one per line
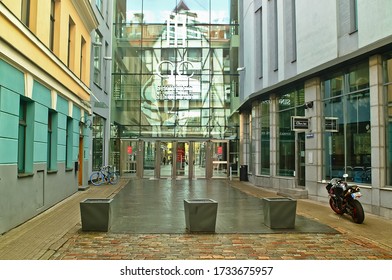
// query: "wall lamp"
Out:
[240,69]
[88,123]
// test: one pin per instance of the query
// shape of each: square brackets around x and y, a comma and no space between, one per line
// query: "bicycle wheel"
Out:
[96,178]
[113,178]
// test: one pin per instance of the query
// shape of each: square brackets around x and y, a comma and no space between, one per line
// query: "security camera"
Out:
[308,105]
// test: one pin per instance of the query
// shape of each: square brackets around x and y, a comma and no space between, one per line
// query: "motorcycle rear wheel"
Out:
[357,212]
[334,207]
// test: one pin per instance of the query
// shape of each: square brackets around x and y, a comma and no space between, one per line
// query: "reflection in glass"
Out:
[289,104]
[173,72]
[387,73]
[348,149]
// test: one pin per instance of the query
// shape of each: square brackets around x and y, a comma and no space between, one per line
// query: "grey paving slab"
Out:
[157,206]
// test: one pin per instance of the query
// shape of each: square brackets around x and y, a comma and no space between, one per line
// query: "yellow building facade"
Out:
[45,53]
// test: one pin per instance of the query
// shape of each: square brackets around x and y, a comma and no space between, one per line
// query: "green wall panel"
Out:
[61,153]
[76,113]
[62,121]
[41,94]
[62,105]
[76,139]
[40,132]
[8,151]
[61,136]
[75,126]
[9,101]
[75,154]
[40,152]
[9,125]
[41,113]
[11,78]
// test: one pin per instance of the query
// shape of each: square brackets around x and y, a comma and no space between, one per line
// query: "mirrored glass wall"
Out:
[174,70]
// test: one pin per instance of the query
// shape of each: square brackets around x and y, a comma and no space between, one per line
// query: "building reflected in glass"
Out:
[175,85]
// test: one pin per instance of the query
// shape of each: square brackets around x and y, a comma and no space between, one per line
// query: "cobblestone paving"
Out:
[348,244]
[104,246]
[56,234]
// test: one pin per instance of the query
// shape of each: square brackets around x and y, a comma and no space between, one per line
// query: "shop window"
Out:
[289,104]
[265,138]
[348,149]
[387,74]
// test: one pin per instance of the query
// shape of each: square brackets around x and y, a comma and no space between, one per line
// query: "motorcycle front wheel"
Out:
[334,207]
[357,212]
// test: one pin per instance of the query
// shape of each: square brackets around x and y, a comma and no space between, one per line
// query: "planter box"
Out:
[279,213]
[96,214]
[200,214]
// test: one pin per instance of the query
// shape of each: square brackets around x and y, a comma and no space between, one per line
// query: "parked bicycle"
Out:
[104,175]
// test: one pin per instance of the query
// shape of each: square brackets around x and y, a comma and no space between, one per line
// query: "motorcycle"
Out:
[344,199]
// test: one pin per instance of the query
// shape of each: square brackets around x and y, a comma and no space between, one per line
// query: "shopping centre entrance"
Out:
[182,159]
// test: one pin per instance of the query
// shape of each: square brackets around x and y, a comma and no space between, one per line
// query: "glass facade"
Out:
[98,135]
[265,150]
[174,70]
[347,134]
[289,104]
[387,80]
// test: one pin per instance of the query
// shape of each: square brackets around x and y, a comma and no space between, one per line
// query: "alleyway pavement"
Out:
[319,233]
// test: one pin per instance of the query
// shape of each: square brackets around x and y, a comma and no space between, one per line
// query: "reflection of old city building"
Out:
[175,86]
[333,74]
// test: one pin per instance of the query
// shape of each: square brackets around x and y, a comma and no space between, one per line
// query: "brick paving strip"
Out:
[56,234]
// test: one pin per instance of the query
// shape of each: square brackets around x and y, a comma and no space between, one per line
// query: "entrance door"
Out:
[128,156]
[199,159]
[166,160]
[175,160]
[149,161]
[220,155]
[182,160]
[301,158]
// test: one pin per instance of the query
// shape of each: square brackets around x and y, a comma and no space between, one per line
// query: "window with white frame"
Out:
[97,47]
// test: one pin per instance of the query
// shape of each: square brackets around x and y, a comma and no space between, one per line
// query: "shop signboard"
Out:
[299,123]
[331,124]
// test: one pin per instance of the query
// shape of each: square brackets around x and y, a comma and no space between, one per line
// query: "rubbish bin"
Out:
[96,214]
[200,214]
[243,173]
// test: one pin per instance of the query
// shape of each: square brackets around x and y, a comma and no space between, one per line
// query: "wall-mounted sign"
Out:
[331,124]
[299,123]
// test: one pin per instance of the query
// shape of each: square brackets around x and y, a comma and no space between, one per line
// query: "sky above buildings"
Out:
[157,11]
